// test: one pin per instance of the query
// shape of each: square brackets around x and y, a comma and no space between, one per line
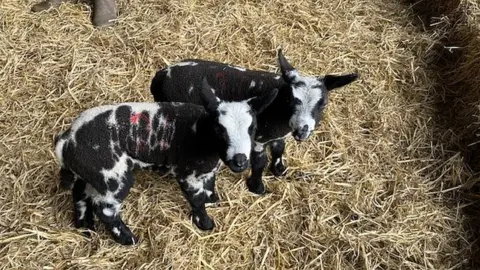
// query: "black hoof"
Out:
[255,186]
[203,222]
[278,170]
[122,235]
[127,240]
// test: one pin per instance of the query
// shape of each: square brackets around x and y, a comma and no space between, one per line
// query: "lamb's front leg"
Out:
[209,186]
[258,161]
[193,189]
[277,148]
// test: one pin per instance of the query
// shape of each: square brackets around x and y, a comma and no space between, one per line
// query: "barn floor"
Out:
[375,188]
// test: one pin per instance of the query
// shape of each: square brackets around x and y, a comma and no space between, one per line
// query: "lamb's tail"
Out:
[57,137]
[67,178]
[157,84]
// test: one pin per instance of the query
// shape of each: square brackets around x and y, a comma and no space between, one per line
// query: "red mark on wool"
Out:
[136,118]
[222,79]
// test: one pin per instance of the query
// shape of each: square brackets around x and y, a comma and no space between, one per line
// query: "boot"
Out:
[47,4]
[104,12]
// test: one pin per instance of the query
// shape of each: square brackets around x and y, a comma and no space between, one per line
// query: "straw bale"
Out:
[376,187]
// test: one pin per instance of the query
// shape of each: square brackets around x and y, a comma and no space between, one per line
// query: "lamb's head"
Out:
[234,125]
[308,97]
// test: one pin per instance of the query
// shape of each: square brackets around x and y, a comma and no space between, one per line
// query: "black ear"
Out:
[335,81]
[209,100]
[285,66]
[260,103]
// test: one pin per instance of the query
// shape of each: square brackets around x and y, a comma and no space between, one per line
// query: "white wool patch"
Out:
[118,170]
[82,208]
[141,164]
[238,68]
[309,96]
[181,64]
[235,117]
[190,89]
[172,171]
[108,212]
[194,183]
[252,84]
[112,121]
[259,147]
[197,183]
[98,198]
[138,107]
[278,161]
[277,77]
[59,150]
[116,231]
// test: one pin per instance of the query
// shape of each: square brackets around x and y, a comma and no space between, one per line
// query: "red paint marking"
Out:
[136,117]
[222,78]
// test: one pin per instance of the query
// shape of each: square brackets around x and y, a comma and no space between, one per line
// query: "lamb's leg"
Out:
[104,12]
[193,189]
[277,149]
[209,186]
[47,4]
[258,161]
[107,209]
[83,208]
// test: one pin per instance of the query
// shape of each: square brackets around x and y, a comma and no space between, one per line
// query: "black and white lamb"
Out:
[297,108]
[103,146]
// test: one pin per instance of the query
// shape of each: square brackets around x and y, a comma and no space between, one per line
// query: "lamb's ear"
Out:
[335,81]
[285,67]
[209,100]
[260,103]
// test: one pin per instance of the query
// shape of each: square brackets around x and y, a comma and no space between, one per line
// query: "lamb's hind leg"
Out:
[83,207]
[193,189]
[277,149]
[107,208]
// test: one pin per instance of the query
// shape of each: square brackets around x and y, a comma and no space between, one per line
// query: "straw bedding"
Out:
[388,181]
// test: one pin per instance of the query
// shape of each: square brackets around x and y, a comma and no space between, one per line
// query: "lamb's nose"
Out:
[239,160]
[301,134]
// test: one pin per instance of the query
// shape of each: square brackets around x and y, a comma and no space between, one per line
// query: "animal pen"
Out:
[389,180]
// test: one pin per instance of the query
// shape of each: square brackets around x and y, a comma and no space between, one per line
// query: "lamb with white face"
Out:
[236,119]
[309,97]
[235,127]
